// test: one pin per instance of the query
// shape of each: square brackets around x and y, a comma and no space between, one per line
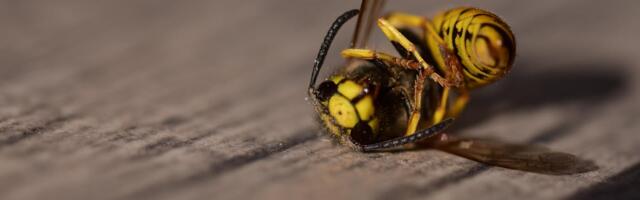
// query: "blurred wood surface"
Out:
[206,100]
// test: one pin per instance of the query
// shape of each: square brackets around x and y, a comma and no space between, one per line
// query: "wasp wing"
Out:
[530,158]
[369,12]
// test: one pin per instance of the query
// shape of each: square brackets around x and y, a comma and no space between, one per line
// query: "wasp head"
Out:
[348,107]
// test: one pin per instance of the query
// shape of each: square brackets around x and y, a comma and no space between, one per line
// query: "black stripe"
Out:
[359,97]
[455,35]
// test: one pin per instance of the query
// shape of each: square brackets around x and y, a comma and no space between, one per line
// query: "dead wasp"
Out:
[379,101]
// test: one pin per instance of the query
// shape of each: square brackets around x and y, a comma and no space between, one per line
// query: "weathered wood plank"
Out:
[205,99]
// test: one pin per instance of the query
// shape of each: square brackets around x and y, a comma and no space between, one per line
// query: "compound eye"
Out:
[326,90]
[362,134]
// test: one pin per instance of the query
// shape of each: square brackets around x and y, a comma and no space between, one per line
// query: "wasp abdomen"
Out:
[484,44]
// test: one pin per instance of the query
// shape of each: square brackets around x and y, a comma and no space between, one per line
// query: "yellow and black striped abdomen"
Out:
[484,44]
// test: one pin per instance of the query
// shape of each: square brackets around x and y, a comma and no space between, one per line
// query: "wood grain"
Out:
[206,100]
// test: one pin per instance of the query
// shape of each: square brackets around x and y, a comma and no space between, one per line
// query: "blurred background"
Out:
[206,100]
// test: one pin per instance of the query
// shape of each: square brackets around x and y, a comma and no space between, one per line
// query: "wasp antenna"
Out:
[326,43]
[417,136]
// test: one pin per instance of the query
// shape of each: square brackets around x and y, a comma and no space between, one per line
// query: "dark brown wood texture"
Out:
[206,100]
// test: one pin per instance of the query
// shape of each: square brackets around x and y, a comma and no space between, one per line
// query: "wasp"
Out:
[459,50]
[381,101]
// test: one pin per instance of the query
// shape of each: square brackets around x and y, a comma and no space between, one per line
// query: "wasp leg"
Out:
[414,120]
[442,106]
[460,103]
[454,76]
[368,54]
[399,40]
[401,20]
[417,137]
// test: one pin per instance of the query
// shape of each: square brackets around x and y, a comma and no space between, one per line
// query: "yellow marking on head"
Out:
[365,108]
[343,111]
[374,125]
[336,79]
[350,89]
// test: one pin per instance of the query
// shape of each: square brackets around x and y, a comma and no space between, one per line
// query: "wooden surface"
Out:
[206,100]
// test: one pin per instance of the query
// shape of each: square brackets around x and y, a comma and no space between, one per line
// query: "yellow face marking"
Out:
[337,79]
[350,89]
[373,124]
[365,108]
[343,111]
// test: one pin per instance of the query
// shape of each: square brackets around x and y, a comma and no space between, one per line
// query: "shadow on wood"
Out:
[585,85]
[621,186]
